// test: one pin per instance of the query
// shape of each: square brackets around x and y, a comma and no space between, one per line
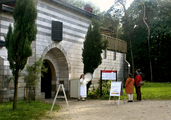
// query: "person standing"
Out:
[83,87]
[129,87]
[138,78]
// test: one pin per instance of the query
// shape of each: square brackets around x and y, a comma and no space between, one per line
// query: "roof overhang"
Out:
[72,7]
[59,2]
[6,1]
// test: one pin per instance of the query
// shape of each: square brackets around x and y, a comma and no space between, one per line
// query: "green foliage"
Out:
[158,18]
[150,91]
[35,110]
[32,75]
[93,46]
[95,93]
[110,21]
[18,41]
[33,72]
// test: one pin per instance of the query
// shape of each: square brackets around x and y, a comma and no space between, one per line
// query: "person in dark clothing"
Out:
[138,78]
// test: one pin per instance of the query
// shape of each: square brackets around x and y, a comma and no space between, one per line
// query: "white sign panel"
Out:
[108,75]
[115,88]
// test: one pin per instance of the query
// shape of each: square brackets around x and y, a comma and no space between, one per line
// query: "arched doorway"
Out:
[46,81]
[56,60]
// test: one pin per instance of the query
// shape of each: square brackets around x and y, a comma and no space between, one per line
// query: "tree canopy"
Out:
[158,18]
[131,27]
[18,41]
[93,46]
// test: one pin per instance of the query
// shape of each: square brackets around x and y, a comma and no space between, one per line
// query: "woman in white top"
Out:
[83,87]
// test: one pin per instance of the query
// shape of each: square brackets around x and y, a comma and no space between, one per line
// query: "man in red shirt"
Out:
[138,78]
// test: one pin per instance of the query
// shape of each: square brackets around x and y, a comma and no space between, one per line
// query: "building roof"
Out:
[59,2]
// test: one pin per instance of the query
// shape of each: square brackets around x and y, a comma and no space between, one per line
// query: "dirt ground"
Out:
[100,110]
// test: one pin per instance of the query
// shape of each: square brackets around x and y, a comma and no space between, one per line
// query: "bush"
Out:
[95,93]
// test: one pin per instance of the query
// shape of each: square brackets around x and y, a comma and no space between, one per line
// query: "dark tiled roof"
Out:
[59,2]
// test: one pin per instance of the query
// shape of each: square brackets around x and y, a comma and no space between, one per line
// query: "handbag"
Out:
[141,83]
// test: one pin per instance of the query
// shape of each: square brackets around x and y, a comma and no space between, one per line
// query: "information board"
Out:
[109,74]
[115,88]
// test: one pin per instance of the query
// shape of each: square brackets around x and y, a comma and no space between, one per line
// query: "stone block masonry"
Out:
[64,58]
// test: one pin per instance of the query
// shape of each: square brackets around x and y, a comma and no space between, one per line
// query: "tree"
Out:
[18,41]
[110,21]
[161,41]
[149,51]
[93,46]
[32,75]
[158,18]
[127,24]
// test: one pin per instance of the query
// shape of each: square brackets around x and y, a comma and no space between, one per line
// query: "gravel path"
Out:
[100,110]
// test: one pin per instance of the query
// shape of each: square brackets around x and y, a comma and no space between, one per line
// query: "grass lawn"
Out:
[149,91]
[34,110]
[156,91]
[153,91]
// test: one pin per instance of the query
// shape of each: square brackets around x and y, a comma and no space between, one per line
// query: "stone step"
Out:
[60,96]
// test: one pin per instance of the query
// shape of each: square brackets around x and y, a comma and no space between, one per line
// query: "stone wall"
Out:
[111,62]
[74,30]
[65,57]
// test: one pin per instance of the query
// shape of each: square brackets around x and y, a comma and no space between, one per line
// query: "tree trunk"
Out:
[26,92]
[15,89]
[132,58]
[34,93]
[149,51]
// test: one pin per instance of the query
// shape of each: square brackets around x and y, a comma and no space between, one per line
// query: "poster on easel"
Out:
[115,88]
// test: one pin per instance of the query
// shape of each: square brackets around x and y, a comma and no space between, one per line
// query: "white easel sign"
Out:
[115,90]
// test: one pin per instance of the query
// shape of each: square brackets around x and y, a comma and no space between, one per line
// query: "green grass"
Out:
[33,110]
[150,91]
[156,91]
[153,91]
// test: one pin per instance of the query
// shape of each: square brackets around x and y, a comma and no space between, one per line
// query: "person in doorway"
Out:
[83,87]
[138,78]
[129,88]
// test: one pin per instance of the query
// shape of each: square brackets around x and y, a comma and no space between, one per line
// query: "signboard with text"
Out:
[109,74]
[115,88]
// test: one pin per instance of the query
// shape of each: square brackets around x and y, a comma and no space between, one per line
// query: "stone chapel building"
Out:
[61,32]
